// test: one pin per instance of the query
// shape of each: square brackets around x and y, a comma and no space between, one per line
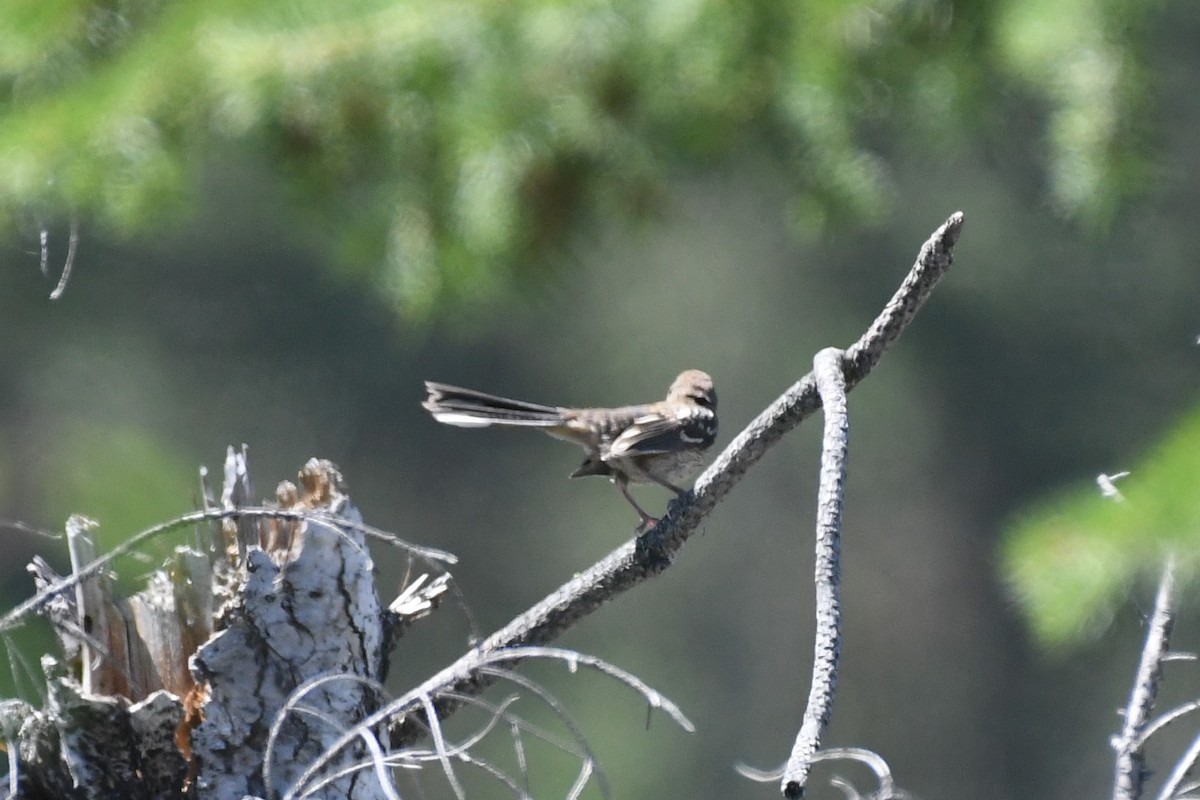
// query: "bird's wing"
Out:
[658,433]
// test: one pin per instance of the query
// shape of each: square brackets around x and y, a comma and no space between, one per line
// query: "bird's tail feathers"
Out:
[468,408]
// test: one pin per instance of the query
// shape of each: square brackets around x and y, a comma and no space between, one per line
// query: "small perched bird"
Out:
[661,442]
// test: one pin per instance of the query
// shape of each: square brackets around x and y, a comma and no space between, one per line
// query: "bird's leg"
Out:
[665,484]
[648,521]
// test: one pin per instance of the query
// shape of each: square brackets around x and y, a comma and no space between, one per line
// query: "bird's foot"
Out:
[647,524]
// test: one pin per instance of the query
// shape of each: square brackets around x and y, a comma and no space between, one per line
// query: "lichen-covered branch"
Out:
[831,383]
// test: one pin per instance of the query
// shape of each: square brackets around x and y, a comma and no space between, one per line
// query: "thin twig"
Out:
[81,547]
[588,761]
[498,713]
[1187,789]
[72,243]
[848,789]
[13,714]
[518,741]
[1130,772]
[1165,719]
[14,768]
[293,704]
[648,555]
[439,743]
[24,527]
[1172,786]
[831,383]
[44,260]
[377,759]
[484,663]
[459,751]
[496,773]
[20,666]
[17,615]
[869,758]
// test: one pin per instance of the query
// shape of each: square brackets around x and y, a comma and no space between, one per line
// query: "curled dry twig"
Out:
[422,696]
[869,758]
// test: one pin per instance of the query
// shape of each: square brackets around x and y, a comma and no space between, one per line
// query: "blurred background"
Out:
[290,214]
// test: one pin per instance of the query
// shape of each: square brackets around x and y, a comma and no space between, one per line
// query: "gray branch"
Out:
[831,383]
[1130,772]
[649,554]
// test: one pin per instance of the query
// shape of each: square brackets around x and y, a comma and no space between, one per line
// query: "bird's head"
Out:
[696,386]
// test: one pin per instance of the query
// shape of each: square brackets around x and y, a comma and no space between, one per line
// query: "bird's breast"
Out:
[676,468]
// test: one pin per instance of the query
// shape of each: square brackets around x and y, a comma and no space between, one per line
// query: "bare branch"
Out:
[1130,774]
[16,616]
[1165,719]
[651,553]
[443,750]
[831,383]
[439,743]
[482,665]
[496,773]
[87,593]
[588,762]
[24,527]
[498,713]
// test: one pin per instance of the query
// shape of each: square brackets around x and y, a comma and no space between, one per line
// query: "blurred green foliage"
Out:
[163,484]
[434,154]
[1072,558]
[446,150]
